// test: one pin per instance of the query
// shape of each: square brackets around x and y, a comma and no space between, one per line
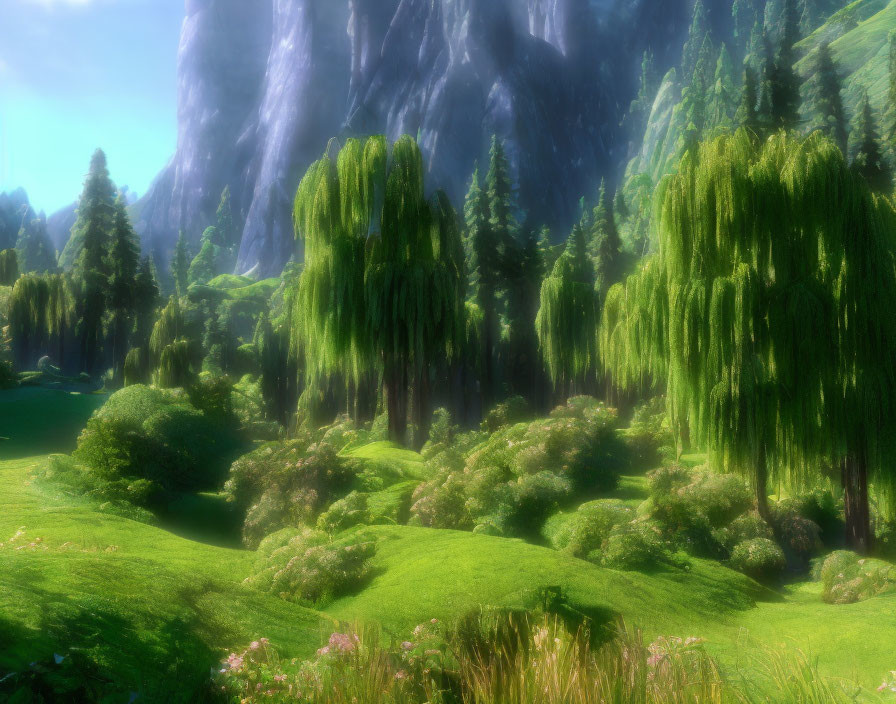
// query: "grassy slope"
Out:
[156,607]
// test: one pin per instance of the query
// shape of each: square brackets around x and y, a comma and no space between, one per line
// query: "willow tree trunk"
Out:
[854,477]
[422,413]
[395,379]
[760,484]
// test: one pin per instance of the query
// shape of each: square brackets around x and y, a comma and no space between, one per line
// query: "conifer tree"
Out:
[180,265]
[723,100]
[146,294]
[96,209]
[697,36]
[567,317]
[784,81]
[124,258]
[867,156]
[33,247]
[486,271]
[605,244]
[9,267]
[208,263]
[890,115]
[88,245]
[824,98]
[747,115]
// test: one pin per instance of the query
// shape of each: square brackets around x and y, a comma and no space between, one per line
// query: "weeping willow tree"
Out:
[41,318]
[767,315]
[378,288]
[567,317]
[9,267]
[168,328]
[174,366]
[136,367]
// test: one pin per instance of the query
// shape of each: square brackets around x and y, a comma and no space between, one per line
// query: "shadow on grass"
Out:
[80,653]
[204,518]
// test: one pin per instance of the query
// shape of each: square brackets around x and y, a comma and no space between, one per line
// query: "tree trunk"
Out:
[395,379]
[761,485]
[854,476]
[421,408]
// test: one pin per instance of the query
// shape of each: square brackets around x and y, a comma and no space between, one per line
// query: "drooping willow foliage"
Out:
[41,316]
[381,286]
[768,312]
[9,267]
[568,314]
[168,328]
[174,366]
[136,367]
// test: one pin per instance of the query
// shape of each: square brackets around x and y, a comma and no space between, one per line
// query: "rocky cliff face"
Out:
[264,85]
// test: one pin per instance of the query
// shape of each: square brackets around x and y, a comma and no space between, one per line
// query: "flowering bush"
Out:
[584,532]
[889,683]
[847,578]
[307,565]
[287,484]
[799,537]
[760,558]
[638,545]
[510,412]
[345,513]
[693,505]
[517,477]
[649,437]
[747,527]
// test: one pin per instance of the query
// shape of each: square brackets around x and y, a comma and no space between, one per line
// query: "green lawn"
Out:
[156,610]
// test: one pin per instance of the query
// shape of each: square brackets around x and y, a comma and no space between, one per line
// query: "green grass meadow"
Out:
[157,609]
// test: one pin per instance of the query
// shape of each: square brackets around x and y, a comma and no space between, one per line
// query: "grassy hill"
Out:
[154,610]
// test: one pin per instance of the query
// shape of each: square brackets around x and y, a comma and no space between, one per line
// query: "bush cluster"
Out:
[847,578]
[305,565]
[521,474]
[288,483]
[760,558]
[161,437]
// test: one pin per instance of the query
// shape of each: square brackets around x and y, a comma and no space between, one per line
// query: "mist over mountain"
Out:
[264,86]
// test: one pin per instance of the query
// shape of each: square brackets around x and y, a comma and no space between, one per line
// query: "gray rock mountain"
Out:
[264,85]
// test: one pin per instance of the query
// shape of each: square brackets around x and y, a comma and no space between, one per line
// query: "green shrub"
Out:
[157,435]
[885,539]
[305,565]
[693,505]
[510,412]
[345,513]
[8,377]
[649,437]
[820,507]
[638,545]
[798,536]
[847,578]
[519,475]
[287,484]
[743,528]
[584,532]
[759,558]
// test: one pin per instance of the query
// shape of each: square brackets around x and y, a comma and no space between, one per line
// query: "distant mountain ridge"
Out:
[263,87]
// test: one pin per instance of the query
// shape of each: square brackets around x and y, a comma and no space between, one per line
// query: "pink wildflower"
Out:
[279,678]
[254,645]
[407,645]
[324,650]
[342,642]
[235,661]
[401,675]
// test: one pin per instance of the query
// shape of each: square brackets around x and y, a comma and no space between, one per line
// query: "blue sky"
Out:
[80,74]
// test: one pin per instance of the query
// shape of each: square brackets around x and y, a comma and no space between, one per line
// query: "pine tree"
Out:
[784,81]
[567,317]
[211,258]
[697,36]
[501,196]
[9,267]
[228,233]
[88,245]
[823,95]
[33,247]
[180,265]
[486,272]
[96,206]
[124,258]
[747,115]
[890,116]
[723,100]
[868,159]
[605,244]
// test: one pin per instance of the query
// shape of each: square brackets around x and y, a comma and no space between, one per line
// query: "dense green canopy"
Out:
[767,313]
